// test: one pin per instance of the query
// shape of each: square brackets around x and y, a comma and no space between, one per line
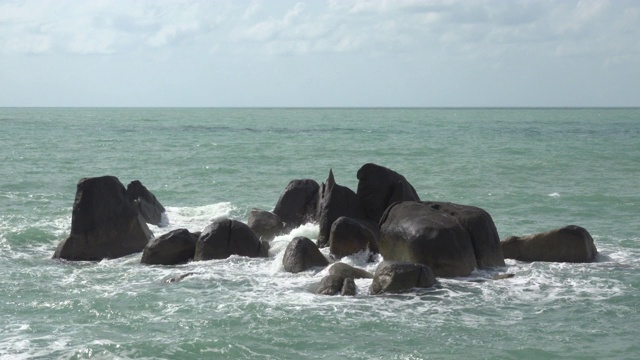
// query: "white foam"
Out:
[555,194]
[192,218]
[279,244]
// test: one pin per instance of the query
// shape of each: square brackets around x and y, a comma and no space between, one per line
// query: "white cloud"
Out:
[102,27]
[413,44]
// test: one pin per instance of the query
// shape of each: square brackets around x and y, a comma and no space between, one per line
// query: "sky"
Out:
[335,53]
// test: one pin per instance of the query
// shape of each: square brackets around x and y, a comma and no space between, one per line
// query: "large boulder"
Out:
[104,223]
[335,201]
[148,206]
[226,237]
[481,229]
[567,244]
[451,239]
[175,247]
[350,236]
[302,254]
[297,203]
[379,187]
[395,277]
[265,224]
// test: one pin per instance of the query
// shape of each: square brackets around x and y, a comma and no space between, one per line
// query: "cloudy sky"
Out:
[320,53]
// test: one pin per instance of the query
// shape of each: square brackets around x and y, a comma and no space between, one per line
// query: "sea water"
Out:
[532,169]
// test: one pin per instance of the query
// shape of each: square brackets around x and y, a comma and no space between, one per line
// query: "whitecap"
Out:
[194,218]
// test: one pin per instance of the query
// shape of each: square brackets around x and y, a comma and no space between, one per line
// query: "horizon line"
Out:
[323,107]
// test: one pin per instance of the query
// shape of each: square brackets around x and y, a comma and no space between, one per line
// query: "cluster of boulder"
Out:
[418,240]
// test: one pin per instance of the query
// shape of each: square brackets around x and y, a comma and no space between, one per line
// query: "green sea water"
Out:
[532,169]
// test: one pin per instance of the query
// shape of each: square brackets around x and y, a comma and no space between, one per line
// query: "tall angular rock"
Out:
[147,204]
[104,223]
[335,201]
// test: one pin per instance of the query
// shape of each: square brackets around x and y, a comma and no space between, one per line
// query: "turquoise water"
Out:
[531,169]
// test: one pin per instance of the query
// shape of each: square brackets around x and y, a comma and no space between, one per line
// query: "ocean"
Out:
[532,169]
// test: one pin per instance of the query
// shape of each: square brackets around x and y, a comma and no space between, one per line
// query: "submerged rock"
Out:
[176,278]
[395,277]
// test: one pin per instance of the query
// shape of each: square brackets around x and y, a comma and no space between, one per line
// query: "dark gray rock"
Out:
[104,223]
[567,244]
[176,278]
[302,254]
[330,285]
[379,187]
[481,229]
[451,239]
[395,277]
[346,271]
[297,203]
[416,233]
[226,237]
[148,206]
[335,201]
[348,287]
[175,247]
[350,236]
[265,224]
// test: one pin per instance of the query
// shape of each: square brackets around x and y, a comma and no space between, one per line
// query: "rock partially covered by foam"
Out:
[567,244]
[348,271]
[302,254]
[396,277]
[297,203]
[226,237]
[350,236]
[104,223]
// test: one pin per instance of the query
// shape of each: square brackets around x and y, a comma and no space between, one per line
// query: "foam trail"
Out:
[193,218]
